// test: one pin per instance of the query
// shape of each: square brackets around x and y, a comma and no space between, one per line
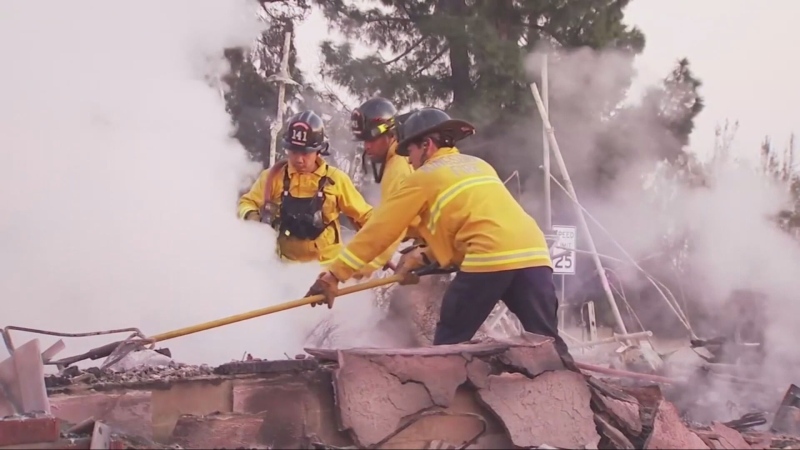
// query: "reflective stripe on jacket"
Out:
[468,218]
[341,197]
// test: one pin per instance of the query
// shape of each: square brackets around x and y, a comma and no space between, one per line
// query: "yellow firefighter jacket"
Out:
[396,168]
[468,218]
[340,197]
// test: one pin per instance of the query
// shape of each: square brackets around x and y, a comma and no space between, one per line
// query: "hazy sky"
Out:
[743,54]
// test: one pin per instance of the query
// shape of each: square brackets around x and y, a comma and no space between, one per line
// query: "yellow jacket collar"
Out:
[392,150]
[322,167]
[442,152]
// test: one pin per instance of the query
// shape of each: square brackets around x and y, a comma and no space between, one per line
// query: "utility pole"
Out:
[282,78]
[548,221]
[585,226]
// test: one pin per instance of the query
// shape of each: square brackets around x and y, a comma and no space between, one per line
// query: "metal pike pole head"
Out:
[124,349]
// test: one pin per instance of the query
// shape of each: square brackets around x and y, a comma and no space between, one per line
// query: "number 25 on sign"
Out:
[564,259]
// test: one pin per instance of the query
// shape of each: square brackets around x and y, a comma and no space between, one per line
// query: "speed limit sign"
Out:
[564,258]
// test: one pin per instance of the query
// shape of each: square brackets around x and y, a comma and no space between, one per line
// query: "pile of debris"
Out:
[490,394]
[160,373]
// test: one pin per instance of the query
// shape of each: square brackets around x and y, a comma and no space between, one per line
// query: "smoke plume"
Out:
[734,240]
[120,181]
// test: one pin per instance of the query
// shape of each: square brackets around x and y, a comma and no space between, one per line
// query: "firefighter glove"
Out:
[253,215]
[412,260]
[327,285]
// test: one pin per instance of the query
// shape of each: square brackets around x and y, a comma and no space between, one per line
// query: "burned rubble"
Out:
[488,394]
[94,376]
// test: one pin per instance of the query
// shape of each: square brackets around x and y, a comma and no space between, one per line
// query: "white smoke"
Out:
[735,242]
[120,180]
[739,246]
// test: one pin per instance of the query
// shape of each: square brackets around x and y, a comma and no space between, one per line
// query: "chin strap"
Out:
[377,168]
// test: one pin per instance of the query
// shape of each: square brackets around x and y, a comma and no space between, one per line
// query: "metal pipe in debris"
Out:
[616,338]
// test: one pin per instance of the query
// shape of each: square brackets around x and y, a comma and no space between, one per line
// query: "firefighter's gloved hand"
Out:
[326,285]
[409,278]
[412,260]
[266,213]
[253,215]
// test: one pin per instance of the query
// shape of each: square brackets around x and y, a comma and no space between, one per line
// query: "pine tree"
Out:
[465,56]
[657,129]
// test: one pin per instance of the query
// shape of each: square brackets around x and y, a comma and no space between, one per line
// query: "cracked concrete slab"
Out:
[478,372]
[670,432]
[440,375]
[377,390]
[623,414]
[373,401]
[721,437]
[533,359]
[553,408]
[616,438]
[485,348]
[456,429]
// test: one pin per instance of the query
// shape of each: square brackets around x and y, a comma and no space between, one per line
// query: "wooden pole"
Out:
[571,189]
[276,125]
[548,218]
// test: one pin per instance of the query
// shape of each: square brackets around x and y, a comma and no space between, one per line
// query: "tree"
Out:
[657,129]
[251,100]
[466,56]
[472,58]
[781,169]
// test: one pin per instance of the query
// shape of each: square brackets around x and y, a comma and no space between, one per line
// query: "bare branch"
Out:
[430,63]
[406,52]
[387,19]
[519,185]
[331,94]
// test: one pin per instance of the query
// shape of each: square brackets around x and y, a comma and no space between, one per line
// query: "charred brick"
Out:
[19,430]
[256,366]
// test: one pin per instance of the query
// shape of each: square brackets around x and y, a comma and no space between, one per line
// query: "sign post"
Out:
[563,256]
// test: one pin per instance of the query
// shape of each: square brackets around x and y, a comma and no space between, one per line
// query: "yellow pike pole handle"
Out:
[109,349]
[273,309]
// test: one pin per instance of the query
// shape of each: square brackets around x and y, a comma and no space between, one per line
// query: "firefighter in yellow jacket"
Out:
[374,123]
[302,197]
[471,222]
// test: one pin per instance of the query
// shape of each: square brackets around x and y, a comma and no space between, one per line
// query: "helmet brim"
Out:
[303,149]
[363,136]
[457,129]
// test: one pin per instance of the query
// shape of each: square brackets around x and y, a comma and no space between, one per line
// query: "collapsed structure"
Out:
[485,394]
[489,394]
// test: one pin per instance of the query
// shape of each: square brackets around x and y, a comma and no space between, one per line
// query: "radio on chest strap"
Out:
[301,217]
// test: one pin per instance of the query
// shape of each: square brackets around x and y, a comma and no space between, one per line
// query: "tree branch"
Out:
[387,19]
[429,63]
[406,52]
